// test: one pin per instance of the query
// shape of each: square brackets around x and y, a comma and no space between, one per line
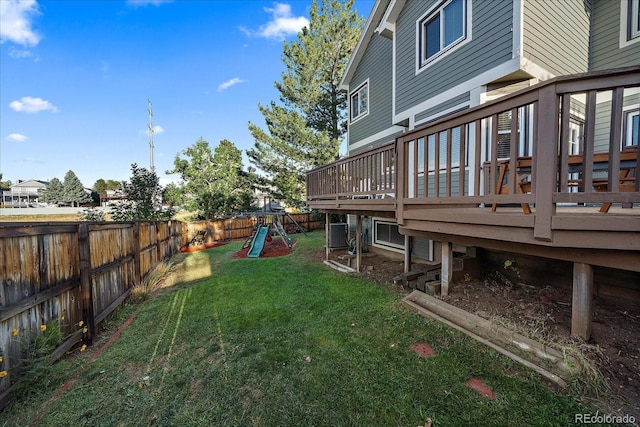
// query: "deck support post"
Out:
[407,253]
[446,273]
[358,242]
[327,240]
[582,302]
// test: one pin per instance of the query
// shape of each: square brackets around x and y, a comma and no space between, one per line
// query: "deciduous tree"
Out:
[213,183]
[4,184]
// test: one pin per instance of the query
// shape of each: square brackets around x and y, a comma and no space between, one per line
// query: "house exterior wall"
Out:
[490,45]
[449,105]
[511,45]
[603,119]
[555,35]
[376,128]
[606,51]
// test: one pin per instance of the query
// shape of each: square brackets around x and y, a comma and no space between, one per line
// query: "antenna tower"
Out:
[151,135]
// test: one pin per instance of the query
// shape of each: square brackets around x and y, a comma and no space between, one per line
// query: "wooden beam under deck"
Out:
[573,227]
[611,258]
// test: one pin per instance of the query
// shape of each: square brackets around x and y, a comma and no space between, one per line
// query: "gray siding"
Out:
[556,35]
[376,65]
[605,39]
[456,100]
[442,184]
[603,121]
[490,46]
[374,144]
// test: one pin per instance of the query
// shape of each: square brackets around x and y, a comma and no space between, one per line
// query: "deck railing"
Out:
[368,174]
[570,140]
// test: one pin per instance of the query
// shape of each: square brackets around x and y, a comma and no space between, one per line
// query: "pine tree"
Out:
[306,130]
[144,198]
[73,190]
[54,193]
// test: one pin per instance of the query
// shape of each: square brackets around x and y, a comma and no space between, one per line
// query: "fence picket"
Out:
[81,272]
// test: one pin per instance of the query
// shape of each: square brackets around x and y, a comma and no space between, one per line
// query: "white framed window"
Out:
[629,22]
[386,235]
[632,129]
[634,19]
[441,29]
[524,134]
[359,100]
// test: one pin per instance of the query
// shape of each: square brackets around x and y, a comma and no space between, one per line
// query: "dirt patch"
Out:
[483,389]
[423,349]
[272,248]
[543,313]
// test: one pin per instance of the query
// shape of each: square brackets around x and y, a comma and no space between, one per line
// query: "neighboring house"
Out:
[262,200]
[420,65]
[24,193]
[112,197]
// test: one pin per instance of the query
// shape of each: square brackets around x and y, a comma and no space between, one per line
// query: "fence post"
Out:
[136,254]
[175,245]
[159,257]
[85,280]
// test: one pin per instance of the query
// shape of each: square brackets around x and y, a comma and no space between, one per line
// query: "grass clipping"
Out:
[587,379]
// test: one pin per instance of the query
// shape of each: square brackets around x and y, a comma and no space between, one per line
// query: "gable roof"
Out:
[381,20]
[31,183]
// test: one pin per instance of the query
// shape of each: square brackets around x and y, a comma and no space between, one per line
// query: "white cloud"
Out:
[16,20]
[22,53]
[31,105]
[16,137]
[142,3]
[282,24]
[229,83]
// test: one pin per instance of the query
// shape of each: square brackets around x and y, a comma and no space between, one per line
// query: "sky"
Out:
[76,77]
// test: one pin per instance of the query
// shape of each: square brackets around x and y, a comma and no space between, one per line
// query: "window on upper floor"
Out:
[633,19]
[441,29]
[629,22]
[360,102]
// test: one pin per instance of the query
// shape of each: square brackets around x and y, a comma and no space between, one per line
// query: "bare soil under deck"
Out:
[545,312]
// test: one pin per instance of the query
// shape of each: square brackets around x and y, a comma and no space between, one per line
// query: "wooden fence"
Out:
[76,274]
[73,273]
[241,228]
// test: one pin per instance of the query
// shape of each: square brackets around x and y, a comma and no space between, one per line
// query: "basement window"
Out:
[386,234]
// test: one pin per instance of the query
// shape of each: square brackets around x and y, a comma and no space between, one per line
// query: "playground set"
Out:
[268,224]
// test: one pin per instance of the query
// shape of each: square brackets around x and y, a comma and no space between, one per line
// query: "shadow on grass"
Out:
[288,341]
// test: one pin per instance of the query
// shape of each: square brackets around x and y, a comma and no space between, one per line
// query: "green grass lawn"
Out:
[285,342]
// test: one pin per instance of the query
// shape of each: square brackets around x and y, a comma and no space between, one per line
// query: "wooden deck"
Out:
[438,181]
